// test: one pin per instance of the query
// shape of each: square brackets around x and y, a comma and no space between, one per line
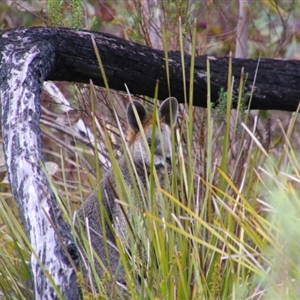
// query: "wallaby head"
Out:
[167,115]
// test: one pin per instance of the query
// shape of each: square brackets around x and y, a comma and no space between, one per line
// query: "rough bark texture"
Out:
[276,86]
[23,67]
[28,56]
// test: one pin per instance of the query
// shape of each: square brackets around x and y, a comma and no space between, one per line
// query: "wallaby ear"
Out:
[168,111]
[131,119]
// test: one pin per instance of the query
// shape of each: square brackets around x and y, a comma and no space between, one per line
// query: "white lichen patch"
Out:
[20,114]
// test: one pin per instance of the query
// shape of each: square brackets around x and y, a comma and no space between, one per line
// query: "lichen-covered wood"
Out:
[23,67]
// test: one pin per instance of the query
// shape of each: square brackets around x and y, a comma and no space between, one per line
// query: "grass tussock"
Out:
[225,225]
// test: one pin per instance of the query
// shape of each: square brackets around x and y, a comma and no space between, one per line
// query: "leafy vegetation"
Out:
[231,207]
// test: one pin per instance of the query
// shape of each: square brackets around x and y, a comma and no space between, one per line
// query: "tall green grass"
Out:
[225,225]
[219,221]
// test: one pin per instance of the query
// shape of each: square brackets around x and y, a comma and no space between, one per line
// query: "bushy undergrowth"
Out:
[230,217]
[230,208]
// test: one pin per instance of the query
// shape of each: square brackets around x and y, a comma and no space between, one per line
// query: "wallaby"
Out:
[90,209]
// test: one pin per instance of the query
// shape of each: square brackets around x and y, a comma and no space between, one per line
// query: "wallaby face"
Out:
[167,115]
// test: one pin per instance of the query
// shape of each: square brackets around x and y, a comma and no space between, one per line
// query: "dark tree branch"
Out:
[28,56]
[140,67]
